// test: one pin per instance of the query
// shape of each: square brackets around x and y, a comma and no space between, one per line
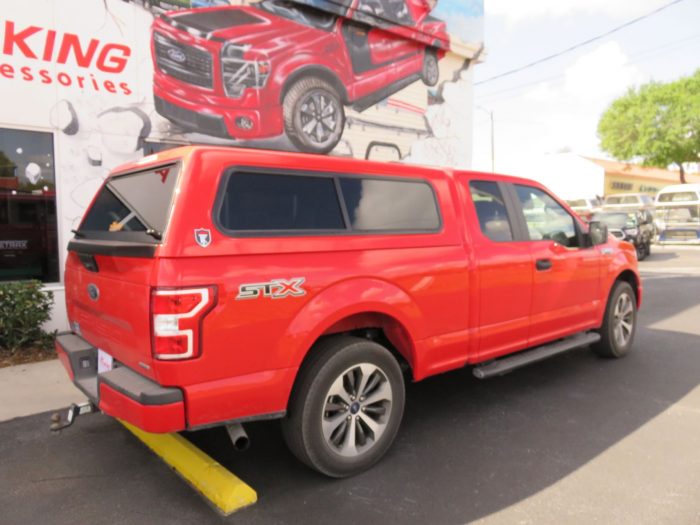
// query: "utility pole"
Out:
[493,145]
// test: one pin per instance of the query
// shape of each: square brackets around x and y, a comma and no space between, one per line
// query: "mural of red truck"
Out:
[278,66]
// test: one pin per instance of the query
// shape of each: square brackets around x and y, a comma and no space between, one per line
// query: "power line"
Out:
[580,44]
[654,52]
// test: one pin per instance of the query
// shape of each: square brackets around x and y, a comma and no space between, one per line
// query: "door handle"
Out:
[543,264]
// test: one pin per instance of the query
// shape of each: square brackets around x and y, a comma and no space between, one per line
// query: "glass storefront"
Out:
[28,229]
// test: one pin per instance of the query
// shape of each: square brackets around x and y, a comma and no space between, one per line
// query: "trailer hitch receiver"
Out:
[73,411]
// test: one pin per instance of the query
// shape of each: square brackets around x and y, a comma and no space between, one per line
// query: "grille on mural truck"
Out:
[183,62]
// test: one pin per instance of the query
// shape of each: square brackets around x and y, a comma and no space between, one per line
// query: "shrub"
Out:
[24,307]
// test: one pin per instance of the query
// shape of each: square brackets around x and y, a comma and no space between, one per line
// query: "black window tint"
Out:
[134,202]
[262,202]
[491,210]
[387,205]
[546,219]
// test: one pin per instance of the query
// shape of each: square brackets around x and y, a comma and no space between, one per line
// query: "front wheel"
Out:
[314,116]
[619,322]
[346,406]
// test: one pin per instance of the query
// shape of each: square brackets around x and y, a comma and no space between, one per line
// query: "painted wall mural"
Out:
[117,79]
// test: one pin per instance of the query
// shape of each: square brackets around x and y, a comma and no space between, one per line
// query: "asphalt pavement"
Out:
[575,439]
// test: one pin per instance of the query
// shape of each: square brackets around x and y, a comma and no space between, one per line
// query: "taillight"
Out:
[177,316]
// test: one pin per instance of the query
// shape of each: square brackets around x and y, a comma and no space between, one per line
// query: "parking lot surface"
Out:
[575,439]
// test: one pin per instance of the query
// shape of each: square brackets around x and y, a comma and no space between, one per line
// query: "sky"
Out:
[555,107]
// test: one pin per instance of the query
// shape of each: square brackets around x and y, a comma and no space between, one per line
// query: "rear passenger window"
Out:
[387,205]
[262,202]
[491,210]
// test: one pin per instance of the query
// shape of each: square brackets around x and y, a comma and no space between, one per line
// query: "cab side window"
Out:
[545,218]
[491,210]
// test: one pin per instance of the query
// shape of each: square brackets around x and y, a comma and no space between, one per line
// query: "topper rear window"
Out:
[134,206]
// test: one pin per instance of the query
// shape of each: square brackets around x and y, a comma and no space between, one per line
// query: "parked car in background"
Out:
[585,208]
[628,201]
[634,227]
[678,214]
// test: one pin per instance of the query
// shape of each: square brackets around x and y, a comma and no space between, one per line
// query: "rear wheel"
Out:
[619,323]
[431,70]
[346,406]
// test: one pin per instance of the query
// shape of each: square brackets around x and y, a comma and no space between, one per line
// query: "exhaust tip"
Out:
[242,443]
[238,435]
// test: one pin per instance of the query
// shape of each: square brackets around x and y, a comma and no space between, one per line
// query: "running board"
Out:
[372,99]
[508,364]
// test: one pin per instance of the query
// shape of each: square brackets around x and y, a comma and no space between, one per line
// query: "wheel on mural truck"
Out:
[431,69]
[314,116]
[346,406]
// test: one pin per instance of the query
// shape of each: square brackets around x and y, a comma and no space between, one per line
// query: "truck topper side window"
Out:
[381,205]
[267,202]
[491,210]
[255,203]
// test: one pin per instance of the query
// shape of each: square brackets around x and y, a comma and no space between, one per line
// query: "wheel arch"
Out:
[632,278]
[315,71]
[370,308]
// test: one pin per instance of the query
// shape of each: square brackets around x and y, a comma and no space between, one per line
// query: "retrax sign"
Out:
[54,47]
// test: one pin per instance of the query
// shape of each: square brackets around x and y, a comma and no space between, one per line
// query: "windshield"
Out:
[302,14]
[616,221]
[134,203]
[679,196]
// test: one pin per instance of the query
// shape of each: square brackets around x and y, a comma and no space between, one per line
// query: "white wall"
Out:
[568,175]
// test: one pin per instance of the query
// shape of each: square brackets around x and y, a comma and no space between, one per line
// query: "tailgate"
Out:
[110,308]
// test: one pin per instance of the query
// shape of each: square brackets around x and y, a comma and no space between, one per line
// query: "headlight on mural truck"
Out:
[249,72]
[210,286]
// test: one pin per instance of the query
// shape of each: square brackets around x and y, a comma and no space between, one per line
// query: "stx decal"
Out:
[276,289]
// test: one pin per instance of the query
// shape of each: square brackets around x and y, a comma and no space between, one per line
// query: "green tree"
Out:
[7,167]
[657,124]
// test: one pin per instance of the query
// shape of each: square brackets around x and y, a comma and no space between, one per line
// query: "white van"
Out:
[678,214]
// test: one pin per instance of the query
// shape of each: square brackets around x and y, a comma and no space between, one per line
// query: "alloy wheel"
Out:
[623,322]
[356,410]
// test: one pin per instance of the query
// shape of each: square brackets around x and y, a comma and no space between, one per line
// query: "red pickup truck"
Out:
[211,286]
[248,72]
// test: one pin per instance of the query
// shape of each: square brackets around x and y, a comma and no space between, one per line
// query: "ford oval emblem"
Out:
[177,55]
[93,292]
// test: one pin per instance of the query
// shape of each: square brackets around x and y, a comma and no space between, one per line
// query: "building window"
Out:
[28,229]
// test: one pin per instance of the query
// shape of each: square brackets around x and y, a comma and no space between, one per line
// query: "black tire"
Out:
[641,251]
[610,344]
[304,106]
[313,404]
[648,248]
[430,73]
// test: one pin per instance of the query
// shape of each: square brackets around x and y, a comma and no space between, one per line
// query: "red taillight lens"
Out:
[177,318]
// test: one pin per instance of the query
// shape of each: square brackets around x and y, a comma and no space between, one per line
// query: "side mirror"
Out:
[597,232]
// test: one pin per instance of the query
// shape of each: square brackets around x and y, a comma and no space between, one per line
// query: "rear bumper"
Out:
[121,392]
